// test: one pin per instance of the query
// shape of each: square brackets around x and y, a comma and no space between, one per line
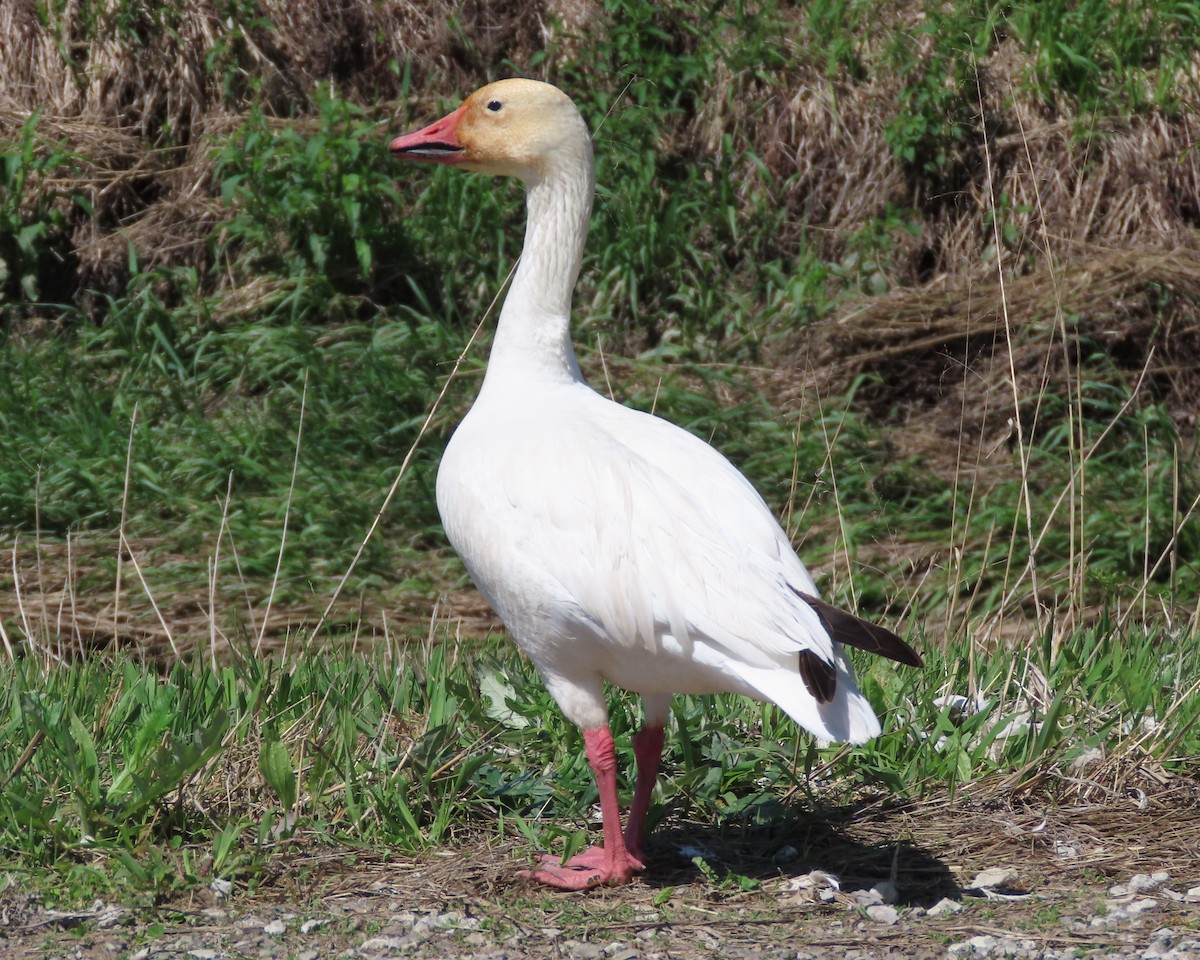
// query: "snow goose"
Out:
[614,545]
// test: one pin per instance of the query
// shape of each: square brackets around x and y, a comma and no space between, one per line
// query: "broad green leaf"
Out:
[497,692]
[276,766]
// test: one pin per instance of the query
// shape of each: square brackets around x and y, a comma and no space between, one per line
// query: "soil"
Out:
[1121,879]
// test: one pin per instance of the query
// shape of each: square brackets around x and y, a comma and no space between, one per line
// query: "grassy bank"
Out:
[129,781]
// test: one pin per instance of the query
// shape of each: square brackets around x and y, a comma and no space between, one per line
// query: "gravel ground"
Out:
[964,883]
[1158,923]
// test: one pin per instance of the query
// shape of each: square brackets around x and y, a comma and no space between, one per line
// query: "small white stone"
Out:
[1193,895]
[386,943]
[882,913]
[981,945]
[868,898]
[275,928]
[958,708]
[945,907]
[994,877]
[956,702]
[202,954]
[308,926]
[1138,907]
[814,880]
[222,888]
[1143,883]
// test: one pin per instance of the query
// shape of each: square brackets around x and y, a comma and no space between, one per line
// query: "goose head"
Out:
[519,128]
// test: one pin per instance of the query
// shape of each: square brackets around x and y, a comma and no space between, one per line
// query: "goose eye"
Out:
[494,106]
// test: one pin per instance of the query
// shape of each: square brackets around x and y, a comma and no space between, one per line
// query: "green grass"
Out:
[35,257]
[336,275]
[120,777]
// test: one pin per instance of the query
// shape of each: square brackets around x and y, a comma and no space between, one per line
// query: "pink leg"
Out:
[612,863]
[647,747]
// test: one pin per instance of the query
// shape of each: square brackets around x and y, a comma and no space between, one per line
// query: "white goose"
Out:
[614,545]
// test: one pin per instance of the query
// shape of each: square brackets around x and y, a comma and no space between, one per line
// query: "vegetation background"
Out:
[929,273]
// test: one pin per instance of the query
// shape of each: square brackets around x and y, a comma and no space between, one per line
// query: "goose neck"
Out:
[534,326]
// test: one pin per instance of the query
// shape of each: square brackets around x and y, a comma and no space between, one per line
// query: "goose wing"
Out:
[648,530]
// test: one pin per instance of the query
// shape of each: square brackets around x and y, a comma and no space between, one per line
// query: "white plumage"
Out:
[614,545]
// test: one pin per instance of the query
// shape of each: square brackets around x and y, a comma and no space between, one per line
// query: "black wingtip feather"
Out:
[854,632]
[820,677]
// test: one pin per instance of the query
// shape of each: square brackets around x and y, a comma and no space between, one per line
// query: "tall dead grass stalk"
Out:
[287,513]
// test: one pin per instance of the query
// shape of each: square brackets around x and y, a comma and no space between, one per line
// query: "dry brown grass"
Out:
[142,98]
[940,357]
[821,140]
[1068,182]
[933,848]
[64,596]
[157,69]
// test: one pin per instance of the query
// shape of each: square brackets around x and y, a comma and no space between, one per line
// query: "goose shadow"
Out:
[860,848]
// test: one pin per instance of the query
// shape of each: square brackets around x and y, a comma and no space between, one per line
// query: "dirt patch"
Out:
[63,594]
[1067,888]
